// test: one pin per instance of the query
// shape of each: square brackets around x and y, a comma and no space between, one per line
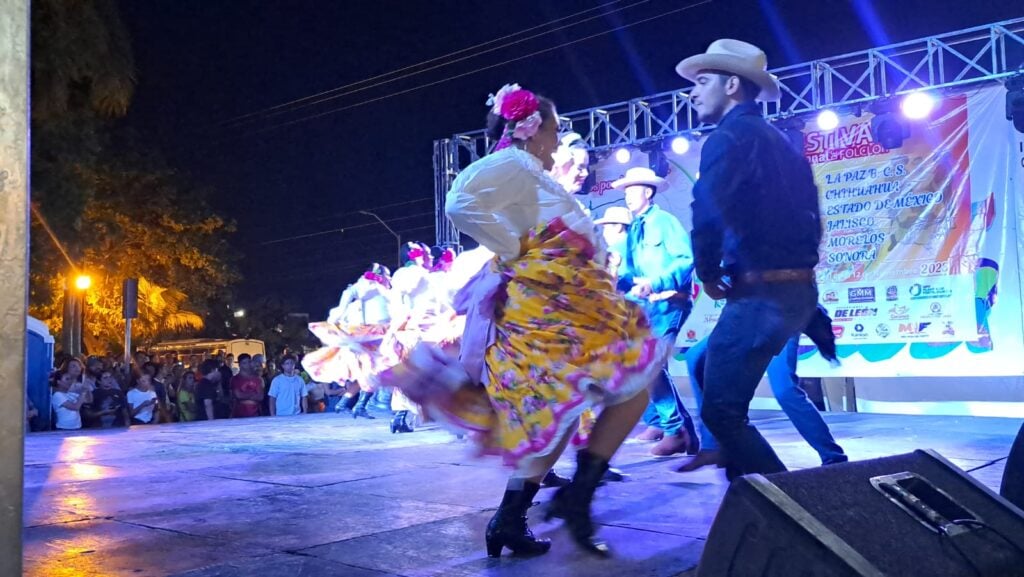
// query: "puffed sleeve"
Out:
[495,202]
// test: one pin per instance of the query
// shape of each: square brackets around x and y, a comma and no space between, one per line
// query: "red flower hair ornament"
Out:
[521,110]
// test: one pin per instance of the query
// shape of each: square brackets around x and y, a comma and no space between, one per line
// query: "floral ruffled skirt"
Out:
[562,341]
[349,354]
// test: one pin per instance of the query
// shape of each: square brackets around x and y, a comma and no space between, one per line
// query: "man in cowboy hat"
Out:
[614,224]
[756,231]
[658,261]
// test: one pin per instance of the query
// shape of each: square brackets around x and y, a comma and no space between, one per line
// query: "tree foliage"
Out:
[114,208]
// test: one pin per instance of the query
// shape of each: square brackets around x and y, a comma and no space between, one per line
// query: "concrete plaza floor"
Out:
[323,495]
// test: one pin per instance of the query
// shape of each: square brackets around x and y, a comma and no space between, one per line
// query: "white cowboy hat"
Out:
[737,57]
[640,175]
[616,215]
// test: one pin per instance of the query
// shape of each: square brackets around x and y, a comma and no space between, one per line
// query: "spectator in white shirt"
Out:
[66,404]
[287,390]
[142,402]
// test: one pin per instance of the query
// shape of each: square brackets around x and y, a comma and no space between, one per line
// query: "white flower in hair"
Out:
[495,100]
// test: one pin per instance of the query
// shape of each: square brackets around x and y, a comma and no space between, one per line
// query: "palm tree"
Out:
[81,59]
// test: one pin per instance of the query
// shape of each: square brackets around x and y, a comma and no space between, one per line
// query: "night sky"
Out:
[202,65]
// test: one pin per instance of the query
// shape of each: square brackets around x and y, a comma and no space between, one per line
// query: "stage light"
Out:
[623,155]
[1015,101]
[83,282]
[887,128]
[917,105]
[680,145]
[240,313]
[827,120]
[793,128]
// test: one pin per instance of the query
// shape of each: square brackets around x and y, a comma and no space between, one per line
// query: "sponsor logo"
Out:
[691,336]
[864,294]
[830,297]
[914,329]
[838,330]
[858,327]
[899,313]
[842,314]
[892,293]
[927,291]
[859,332]
[882,330]
[948,329]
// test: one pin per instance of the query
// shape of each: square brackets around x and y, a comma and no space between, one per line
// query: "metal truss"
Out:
[946,62]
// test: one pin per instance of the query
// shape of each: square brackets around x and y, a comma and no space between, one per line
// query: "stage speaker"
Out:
[902,516]
[1012,488]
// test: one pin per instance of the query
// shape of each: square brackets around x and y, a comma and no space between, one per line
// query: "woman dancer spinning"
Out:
[563,339]
[351,337]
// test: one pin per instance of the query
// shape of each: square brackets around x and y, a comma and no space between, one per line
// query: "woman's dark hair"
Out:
[496,124]
[413,246]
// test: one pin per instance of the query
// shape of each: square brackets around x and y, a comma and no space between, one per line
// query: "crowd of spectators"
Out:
[102,393]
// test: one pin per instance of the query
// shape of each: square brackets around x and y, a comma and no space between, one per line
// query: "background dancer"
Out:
[657,272]
[756,231]
[351,338]
[791,397]
[563,339]
[420,312]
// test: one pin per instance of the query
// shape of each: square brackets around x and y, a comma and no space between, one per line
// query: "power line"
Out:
[372,208]
[471,72]
[340,230]
[350,88]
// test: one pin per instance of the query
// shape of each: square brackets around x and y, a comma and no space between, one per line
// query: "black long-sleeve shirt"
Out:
[755,206]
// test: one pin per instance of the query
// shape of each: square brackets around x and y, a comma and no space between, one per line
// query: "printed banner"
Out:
[920,256]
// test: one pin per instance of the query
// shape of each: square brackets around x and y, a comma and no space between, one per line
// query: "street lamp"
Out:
[74,305]
[398,237]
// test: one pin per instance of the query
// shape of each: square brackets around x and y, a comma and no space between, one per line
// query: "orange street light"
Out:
[83,282]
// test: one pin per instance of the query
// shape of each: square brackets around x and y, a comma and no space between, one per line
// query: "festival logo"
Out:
[845,142]
[899,313]
[830,297]
[864,294]
[927,291]
[882,330]
[892,293]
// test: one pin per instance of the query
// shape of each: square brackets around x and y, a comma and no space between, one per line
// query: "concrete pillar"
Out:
[14,214]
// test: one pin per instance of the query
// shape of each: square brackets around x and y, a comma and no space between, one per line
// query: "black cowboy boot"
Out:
[399,424]
[553,479]
[508,526]
[572,502]
[360,409]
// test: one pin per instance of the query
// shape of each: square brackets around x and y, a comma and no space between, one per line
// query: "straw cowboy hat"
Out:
[736,57]
[616,215]
[642,176]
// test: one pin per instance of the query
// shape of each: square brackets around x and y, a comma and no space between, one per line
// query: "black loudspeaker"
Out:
[130,298]
[902,516]
[1012,488]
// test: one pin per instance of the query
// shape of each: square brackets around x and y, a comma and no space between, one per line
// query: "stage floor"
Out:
[323,495]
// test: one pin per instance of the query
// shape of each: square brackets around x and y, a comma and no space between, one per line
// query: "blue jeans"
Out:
[755,325]
[791,397]
[666,410]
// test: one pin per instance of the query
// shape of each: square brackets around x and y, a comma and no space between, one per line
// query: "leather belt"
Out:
[781,275]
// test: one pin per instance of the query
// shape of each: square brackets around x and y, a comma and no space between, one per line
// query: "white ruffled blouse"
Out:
[498,199]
